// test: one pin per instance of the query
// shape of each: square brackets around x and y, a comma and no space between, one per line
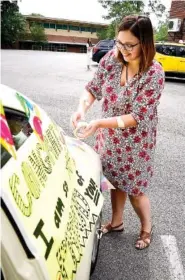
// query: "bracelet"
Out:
[120,122]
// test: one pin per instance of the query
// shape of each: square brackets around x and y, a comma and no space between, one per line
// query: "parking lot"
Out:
[55,81]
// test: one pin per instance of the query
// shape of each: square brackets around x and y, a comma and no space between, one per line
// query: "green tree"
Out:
[36,15]
[13,24]
[161,33]
[120,8]
[108,33]
[117,9]
[112,30]
[102,34]
[37,33]
[156,7]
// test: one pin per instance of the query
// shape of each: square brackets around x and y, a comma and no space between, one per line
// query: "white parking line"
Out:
[171,250]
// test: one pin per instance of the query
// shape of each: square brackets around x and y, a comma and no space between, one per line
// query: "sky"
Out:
[85,10]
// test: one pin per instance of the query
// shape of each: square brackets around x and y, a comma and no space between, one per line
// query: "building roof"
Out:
[62,20]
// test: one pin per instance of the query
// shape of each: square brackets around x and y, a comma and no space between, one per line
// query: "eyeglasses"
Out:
[126,47]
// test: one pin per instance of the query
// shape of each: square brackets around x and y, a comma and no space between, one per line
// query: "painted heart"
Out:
[5,132]
[37,123]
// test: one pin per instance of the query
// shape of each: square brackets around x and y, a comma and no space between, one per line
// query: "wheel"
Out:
[2,276]
[96,244]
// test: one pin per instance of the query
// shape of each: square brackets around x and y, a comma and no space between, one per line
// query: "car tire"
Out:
[2,276]
[96,245]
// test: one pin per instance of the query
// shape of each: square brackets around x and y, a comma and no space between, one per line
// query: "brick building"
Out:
[62,34]
[176,31]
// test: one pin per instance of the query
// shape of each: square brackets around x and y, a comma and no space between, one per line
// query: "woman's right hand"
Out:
[76,117]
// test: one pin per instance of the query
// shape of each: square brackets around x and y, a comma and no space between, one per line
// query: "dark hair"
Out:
[140,27]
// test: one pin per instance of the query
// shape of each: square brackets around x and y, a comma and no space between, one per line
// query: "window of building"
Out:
[62,26]
[55,47]
[49,25]
[52,25]
[93,30]
[61,48]
[46,25]
[20,129]
[74,28]
[36,47]
[86,29]
[46,47]
[83,49]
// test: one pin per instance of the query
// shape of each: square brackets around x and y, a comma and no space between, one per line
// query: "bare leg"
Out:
[141,205]
[118,199]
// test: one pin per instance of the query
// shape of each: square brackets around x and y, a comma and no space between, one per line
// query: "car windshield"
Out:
[105,43]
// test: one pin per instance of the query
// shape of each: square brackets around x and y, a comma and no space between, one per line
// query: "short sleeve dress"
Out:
[127,155]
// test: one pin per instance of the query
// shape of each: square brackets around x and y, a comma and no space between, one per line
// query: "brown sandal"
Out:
[146,237]
[109,228]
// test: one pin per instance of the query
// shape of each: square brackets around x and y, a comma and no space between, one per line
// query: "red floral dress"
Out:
[127,154]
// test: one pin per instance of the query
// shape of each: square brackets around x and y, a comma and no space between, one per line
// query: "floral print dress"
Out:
[127,155]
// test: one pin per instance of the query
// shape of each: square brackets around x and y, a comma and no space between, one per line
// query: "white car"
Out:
[51,199]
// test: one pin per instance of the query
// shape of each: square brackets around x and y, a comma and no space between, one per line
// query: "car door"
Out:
[166,56]
[181,59]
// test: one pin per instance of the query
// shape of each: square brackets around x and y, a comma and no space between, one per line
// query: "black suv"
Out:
[101,48]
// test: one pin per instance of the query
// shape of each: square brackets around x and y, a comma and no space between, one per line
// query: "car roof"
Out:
[106,40]
[9,99]
[170,43]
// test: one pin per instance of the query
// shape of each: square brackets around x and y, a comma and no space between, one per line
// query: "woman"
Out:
[130,83]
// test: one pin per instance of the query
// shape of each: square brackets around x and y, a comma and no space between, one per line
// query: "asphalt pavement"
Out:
[56,81]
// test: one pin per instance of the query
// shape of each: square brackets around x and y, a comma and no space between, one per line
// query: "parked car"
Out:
[172,57]
[101,48]
[50,196]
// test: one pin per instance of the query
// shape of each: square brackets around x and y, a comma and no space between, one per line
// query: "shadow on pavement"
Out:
[94,65]
[175,80]
[129,264]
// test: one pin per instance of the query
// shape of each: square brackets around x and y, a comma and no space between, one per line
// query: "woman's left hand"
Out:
[90,129]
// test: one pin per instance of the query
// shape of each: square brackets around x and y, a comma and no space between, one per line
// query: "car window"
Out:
[168,50]
[20,129]
[158,48]
[182,51]
[103,43]
[111,43]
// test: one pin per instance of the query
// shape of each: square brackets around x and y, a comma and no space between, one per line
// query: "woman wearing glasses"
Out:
[129,82]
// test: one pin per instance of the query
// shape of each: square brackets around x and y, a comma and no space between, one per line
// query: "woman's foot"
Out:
[144,239]
[110,228]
